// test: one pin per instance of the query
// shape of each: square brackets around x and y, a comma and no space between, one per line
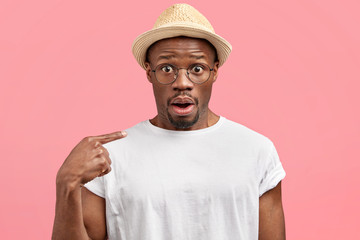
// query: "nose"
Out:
[182,81]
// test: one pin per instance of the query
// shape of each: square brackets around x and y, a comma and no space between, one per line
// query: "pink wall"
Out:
[67,71]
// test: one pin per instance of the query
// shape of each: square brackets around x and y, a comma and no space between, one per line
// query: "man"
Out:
[187,173]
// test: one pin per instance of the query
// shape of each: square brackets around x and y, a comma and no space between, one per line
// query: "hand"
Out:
[88,160]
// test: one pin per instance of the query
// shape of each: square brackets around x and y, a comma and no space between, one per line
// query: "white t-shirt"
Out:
[177,185]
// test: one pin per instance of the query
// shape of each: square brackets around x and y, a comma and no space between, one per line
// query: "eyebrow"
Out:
[197,57]
[167,57]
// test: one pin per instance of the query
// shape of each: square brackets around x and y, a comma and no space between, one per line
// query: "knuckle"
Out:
[106,152]
[97,144]
[88,139]
[103,162]
[109,160]
[108,170]
[99,151]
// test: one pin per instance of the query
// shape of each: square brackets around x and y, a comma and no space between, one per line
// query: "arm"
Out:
[69,223]
[94,217]
[80,214]
[271,215]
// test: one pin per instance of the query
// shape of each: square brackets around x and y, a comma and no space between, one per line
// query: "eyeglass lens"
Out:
[197,73]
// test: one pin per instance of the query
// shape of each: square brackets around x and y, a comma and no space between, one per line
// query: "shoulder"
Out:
[135,132]
[246,135]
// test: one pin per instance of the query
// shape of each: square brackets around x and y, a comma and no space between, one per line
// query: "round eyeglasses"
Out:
[197,73]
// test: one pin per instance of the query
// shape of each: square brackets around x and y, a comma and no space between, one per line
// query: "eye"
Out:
[198,69]
[167,68]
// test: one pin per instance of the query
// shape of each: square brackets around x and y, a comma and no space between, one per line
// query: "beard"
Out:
[181,123]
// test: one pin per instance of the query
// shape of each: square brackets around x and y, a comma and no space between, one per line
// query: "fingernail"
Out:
[124,133]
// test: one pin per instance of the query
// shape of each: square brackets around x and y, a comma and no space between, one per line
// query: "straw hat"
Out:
[180,20]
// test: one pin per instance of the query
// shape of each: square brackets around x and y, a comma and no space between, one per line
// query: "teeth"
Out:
[183,101]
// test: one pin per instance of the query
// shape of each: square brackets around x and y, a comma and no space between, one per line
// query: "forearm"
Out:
[68,222]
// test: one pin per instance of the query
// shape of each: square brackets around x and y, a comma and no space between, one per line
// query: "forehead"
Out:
[181,46]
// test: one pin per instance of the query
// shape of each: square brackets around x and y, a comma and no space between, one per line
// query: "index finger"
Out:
[105,138]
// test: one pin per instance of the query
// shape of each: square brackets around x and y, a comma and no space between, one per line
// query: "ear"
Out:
[215,71]
[148,71]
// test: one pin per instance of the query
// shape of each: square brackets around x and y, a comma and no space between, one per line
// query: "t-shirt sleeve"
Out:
[96,186]
[272,171]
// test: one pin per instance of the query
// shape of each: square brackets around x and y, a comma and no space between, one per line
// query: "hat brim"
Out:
[144,41]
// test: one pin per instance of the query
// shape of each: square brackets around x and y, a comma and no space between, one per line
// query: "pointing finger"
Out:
[110,137]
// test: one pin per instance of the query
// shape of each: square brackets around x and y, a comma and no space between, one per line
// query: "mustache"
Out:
[196,100]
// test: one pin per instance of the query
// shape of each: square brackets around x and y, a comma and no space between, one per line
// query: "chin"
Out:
[182,122]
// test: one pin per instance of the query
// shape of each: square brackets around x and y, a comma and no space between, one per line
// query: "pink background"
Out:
[67,72]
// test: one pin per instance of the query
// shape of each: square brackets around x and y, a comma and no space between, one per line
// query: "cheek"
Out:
[205,94]
[160,94]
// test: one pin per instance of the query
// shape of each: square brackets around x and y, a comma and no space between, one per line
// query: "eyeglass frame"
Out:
[177,74]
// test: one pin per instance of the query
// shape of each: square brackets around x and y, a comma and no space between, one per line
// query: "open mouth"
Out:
[182,106]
